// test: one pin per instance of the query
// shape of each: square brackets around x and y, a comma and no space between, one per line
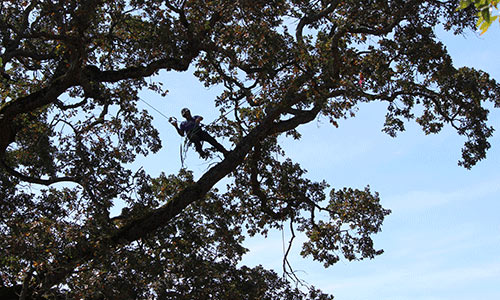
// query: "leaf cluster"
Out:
[484,9]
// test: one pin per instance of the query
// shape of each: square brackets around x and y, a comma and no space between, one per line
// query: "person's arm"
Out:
[174,123]
[198,120]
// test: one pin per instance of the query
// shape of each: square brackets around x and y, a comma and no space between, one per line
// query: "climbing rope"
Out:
[156,109]
[184,146]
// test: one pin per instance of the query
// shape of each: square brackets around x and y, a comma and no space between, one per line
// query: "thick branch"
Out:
[41,181]
[300,118]
[136,72]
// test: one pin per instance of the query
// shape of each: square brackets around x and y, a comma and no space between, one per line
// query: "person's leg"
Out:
[204,136]
[196,140]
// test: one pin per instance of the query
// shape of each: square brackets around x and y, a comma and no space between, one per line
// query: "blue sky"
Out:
[442,240]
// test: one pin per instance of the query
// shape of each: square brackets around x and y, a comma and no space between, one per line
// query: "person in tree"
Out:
[192,129]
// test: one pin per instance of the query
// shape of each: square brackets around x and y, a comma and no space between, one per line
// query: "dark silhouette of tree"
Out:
[70,73]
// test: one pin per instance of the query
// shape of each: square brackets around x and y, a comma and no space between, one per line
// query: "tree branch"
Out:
[256,189]
[398,16]
[307,20]
[301,117]
[41,181]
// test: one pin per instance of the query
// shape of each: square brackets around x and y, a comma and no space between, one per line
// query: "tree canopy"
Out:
[70,74]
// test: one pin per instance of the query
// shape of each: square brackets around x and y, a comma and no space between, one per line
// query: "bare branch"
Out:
[62,106]
[41,181]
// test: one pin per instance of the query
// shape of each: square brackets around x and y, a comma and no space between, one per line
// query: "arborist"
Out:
[192,129]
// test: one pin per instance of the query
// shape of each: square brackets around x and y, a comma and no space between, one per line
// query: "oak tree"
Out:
[70,127]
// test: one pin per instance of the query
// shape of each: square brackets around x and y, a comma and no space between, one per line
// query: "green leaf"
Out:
[485,14]
[464,4]
[483,26]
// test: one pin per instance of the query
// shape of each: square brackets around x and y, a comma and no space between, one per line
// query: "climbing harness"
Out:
[187,142]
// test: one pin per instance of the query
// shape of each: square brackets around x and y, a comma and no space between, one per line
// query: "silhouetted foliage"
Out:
[70,73]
